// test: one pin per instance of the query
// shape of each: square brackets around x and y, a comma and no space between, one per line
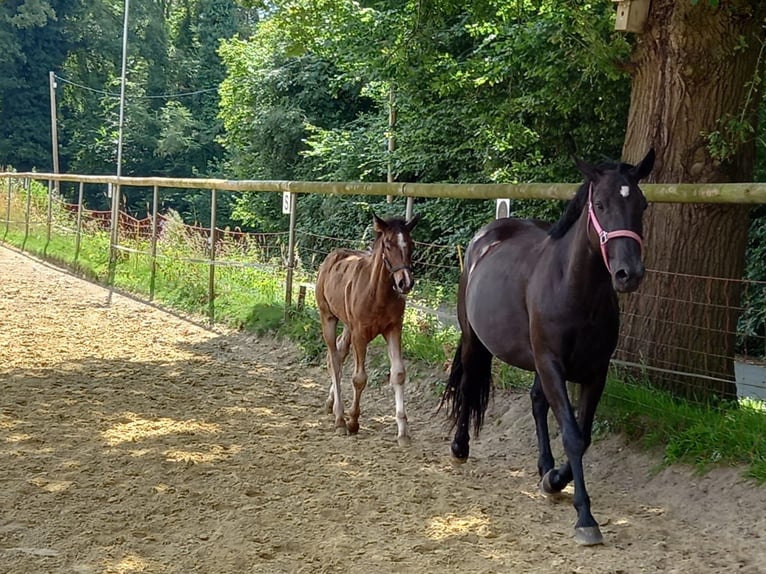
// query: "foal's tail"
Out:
[469,385]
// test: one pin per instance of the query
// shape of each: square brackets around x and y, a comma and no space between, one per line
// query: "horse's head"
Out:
[395,240]
[616,206]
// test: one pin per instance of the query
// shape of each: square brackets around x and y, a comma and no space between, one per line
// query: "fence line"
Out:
[220,245]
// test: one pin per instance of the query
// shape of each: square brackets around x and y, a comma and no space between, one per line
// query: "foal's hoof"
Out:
[545,484]
[404,441]
[588,535]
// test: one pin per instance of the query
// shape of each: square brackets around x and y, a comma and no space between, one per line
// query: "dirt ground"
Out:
[134,441]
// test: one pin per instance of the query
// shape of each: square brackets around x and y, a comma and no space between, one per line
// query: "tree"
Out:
[32,42]
[696,89]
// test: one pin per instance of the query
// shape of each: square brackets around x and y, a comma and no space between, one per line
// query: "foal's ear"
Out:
[413,222]
[644,168]
[378,224]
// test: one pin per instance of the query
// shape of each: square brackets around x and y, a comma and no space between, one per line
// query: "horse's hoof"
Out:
[404,441]
[353,427]
[588,535]
[545,484]
[459,452]
[341,431]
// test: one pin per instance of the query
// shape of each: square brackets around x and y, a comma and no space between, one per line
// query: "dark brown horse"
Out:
[543,299]
[365,290]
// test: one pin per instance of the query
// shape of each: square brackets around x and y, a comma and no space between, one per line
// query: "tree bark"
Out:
[693,68]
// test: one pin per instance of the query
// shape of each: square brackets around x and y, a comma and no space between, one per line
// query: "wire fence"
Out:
[685,300]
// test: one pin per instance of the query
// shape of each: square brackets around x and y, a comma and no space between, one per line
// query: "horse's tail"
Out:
[469,386]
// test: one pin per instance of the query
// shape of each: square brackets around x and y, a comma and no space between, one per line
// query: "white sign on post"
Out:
[287,202]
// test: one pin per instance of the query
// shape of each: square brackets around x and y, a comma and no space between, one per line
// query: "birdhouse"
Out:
[631,15]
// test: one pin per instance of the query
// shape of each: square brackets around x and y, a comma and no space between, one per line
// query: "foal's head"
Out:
[614,206]
[393,237]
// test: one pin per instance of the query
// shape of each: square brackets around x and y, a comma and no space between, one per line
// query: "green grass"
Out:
[691,433]
[253,299]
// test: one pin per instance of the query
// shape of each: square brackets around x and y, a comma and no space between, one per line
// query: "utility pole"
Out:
[391,138]
[54,123]
[116,192]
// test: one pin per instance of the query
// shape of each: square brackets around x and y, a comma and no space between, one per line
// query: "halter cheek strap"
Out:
[603,235]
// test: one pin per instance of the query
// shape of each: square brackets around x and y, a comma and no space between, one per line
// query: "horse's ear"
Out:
[413,222]
[378,224]
[644,168]
[590,172]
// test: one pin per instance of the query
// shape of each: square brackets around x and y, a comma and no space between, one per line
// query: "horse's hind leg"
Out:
[397,377]
[329,329]
[342,344]
[545,461]
[359,379]
[469,384]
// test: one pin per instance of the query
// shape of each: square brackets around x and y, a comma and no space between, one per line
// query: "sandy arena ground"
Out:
[133,441]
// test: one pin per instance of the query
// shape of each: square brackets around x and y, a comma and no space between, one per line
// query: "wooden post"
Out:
[391,137]
[78,229]
[54,127]
[153,243]
[290,256]
[49,217]
[301,297]
[114,239]
[28,212]
[8,210]
[211,273]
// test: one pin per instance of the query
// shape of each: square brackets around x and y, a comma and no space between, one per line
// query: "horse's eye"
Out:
[599,206]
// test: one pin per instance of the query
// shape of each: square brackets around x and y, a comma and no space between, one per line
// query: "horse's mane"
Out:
[579,201]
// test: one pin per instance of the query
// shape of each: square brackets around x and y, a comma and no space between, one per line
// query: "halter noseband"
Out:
[393,270]
[603,235]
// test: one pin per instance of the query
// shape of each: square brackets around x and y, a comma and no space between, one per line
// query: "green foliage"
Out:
[751,325]
[483,93]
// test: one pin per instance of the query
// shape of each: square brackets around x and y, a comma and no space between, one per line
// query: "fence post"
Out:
[153,243]
[49,216]
[114,239]
[8,210]
[28,212]
[290,256]
[211,275]
[78,232]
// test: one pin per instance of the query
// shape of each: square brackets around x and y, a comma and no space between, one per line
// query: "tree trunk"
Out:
[693,77]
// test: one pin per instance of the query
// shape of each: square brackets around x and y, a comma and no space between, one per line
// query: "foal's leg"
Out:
[396,377]
[551,375]
[342,344]
[329,329]
[359,379]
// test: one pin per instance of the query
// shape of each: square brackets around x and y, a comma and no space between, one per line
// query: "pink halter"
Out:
[605,236]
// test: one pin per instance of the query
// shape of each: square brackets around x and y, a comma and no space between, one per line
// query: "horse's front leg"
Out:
[359,379]
[396,377]
[552,379]
[334,402]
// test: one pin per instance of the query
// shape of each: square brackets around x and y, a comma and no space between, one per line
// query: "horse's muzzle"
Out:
[627,280]
[403,281]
